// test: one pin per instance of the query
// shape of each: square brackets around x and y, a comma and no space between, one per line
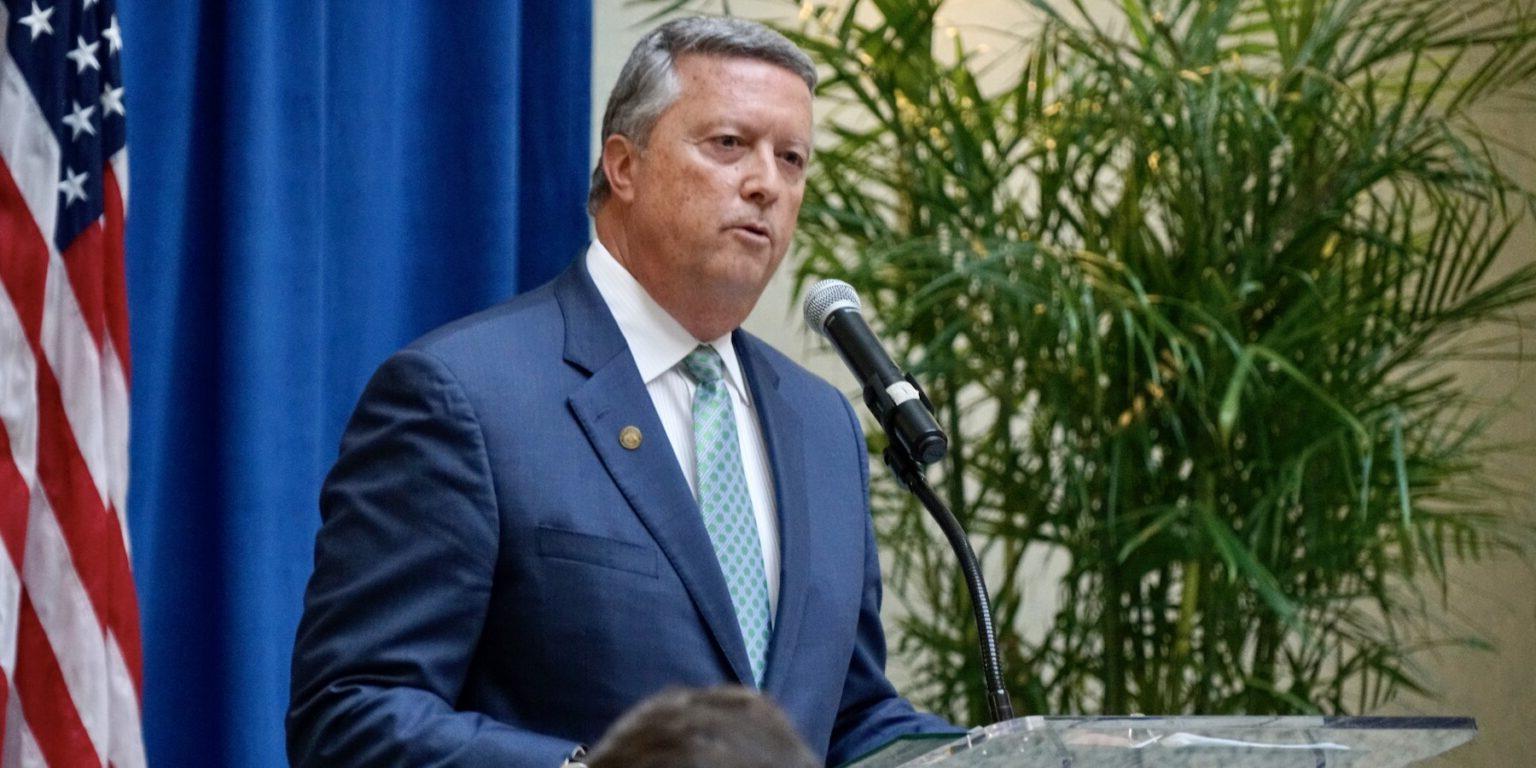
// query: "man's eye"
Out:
[728,142]
[795,159]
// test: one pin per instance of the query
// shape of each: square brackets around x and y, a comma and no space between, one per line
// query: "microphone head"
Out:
[826,297]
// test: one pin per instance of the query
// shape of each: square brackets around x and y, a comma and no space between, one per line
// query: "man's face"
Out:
[717,188]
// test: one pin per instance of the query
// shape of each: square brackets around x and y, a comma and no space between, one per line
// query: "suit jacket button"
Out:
[629,437]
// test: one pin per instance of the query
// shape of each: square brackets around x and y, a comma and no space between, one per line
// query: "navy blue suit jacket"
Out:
[497,578]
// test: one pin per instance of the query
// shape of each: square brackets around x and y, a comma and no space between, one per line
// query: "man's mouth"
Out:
[753,229]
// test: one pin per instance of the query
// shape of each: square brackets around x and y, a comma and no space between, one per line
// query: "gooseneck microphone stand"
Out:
[908,469]
[914,440]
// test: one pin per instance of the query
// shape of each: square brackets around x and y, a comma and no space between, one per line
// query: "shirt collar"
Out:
[656,340]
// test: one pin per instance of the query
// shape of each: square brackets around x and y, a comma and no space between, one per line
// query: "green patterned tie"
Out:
[726,505]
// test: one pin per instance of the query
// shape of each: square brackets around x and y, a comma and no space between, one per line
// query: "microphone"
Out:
[832,308]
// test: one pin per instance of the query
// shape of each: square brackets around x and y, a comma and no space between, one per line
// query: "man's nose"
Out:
[764,180]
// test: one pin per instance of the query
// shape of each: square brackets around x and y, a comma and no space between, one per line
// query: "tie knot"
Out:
[705,365]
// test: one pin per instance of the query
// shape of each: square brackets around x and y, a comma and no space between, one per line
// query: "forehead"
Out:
[741,84]
[719,65]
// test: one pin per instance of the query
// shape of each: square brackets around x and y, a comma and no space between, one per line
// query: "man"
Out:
[724,727]
[548,511]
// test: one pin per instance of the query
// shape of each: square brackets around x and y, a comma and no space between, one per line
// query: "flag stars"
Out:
[114,36]
[73,186]
[79,120]
[37,21]
[84,55]
[112,101]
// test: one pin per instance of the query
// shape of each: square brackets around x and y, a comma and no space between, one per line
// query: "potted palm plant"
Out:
[1182,279]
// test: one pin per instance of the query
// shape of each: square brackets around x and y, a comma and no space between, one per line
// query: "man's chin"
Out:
[744,286]
[731,299]
[746,265]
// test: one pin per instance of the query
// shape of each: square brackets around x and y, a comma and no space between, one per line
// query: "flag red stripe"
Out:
[13,509]
[116,302]
[23,255]
[50,713]
[123,618]
[82,260]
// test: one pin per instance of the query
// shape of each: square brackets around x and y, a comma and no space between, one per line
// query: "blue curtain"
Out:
[312,186]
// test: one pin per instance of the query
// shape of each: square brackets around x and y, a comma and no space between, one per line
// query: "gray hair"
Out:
[648,83]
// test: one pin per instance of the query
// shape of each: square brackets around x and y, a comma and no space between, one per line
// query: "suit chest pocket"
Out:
[558,544]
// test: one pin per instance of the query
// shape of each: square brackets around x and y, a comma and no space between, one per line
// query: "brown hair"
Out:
[727,727]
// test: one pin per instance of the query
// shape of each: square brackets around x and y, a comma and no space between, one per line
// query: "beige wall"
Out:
[1499,599]
[1498,688]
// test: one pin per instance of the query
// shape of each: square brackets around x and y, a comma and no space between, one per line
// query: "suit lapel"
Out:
[783,433]
[614,397]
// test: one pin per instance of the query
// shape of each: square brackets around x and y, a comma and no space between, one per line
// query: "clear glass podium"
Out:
[1182,742]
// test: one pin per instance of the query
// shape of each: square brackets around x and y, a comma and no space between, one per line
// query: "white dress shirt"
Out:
[659,343]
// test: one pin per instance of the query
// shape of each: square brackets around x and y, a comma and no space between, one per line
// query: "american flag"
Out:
[69,621]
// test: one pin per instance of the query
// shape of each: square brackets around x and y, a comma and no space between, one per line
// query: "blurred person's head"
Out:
[728,727]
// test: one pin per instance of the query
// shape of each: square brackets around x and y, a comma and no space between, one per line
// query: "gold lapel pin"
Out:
[629,437]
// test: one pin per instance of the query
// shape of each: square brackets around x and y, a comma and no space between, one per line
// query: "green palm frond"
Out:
[1183,282]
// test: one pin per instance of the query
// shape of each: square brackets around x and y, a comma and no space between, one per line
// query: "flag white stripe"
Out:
[10,739]
[119,414]
[10,606]
[31,753]
[119,163]
[68,620]
[18,747]
[115,417]
[72,355]
[17,739]
[18,413]
[127,748]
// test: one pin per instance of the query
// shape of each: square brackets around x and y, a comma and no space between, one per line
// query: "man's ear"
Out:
[619,158]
